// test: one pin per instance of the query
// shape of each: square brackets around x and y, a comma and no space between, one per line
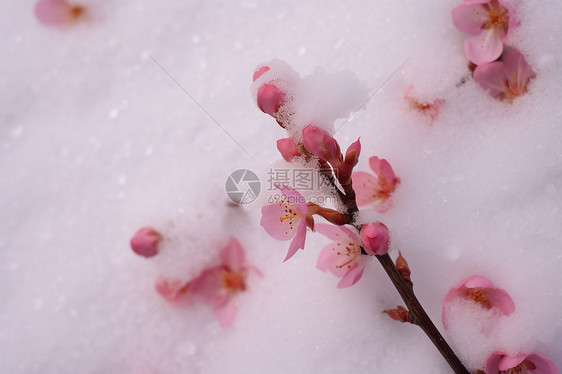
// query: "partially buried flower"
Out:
[481,291]
[521,363]
[376,188]
[146,242]
[342,257]
[429,108]
[506,79]
[58,12]
[288,219]
[487,22]
[220,284]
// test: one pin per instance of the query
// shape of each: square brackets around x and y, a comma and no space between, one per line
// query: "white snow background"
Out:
[97,140]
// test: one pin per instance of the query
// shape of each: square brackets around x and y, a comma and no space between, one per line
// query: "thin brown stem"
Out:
[419,316]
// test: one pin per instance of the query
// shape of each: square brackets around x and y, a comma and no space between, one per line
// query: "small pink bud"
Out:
[258,73]
[375,238]
[288,149]
[145,242]
[270,99]
[321,144]
[352,154]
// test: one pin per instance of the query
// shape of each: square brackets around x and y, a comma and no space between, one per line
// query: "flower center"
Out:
[498,16]
[233,281]
[523,368]
[480,296]
[350,255]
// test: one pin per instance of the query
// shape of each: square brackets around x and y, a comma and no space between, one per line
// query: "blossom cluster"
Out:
[216,285]
[480,290]
[499,69]
[291,216]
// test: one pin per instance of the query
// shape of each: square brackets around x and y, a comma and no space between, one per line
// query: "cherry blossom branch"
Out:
[418,314]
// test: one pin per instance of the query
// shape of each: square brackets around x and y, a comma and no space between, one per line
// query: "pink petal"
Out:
[492,78]
[500,299]
[486,46]
[476,281]
[258,73]
[210,287]
[271,222]
[518,71]
[175,293]
[225,313]
[508,362]
[52,12]
[471,17]
[352,276]
[365,186]
[543,364]
[328,260]
[335,233]
[492,363]
[293,197]
[298,241]
[288,149]
[233,254]
[451,295]
[382,169]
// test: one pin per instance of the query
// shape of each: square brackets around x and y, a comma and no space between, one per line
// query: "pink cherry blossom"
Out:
[145,242]
[480,290]
[58,12]
[520,363]
[342,257]
[375,238]
[376,188]
[287,219]
[487,22]
[219,285]
[505,79]
[288,149]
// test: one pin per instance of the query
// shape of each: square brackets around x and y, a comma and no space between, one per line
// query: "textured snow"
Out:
[137,116]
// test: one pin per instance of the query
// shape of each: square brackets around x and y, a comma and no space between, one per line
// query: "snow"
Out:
[127,120]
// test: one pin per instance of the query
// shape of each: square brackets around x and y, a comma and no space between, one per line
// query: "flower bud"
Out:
[270,99]
[375,238]
[321,144]
[352,154]
[145,242]
[400,314]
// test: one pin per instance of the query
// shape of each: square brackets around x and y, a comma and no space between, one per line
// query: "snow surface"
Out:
[98,140]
